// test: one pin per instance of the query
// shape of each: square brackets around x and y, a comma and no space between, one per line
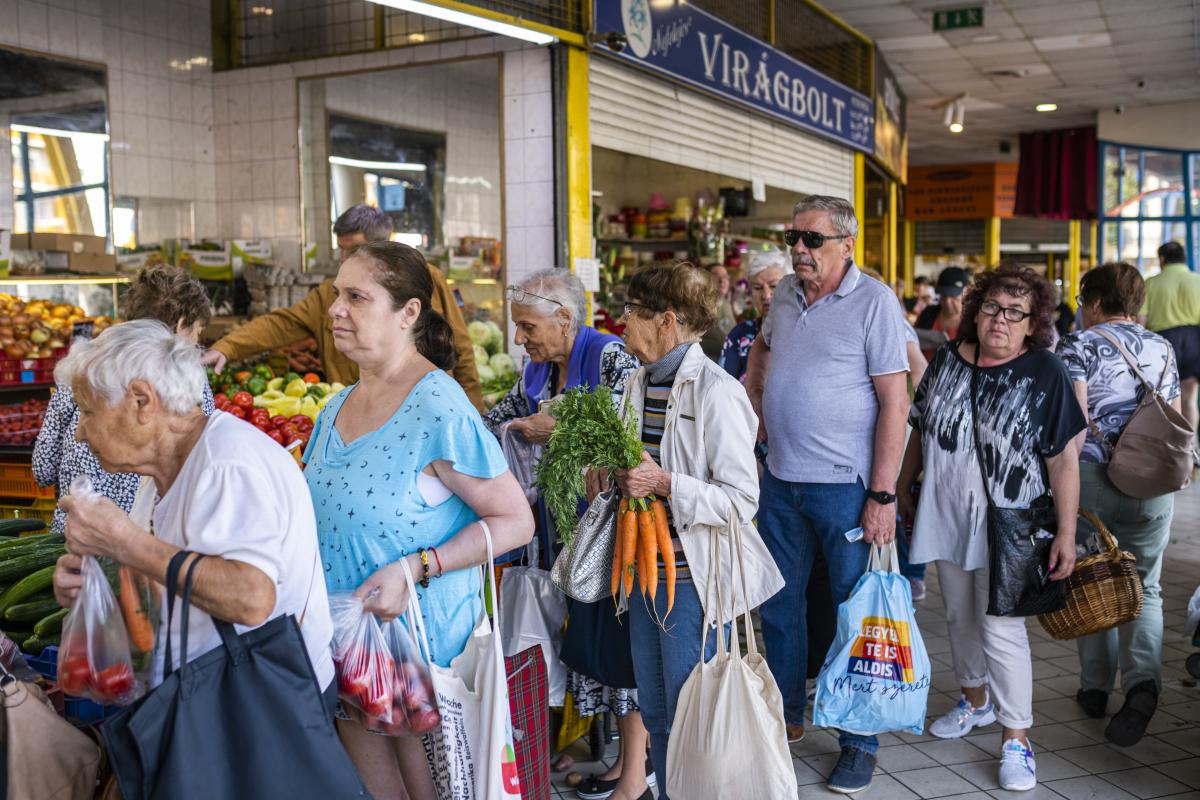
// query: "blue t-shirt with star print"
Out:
[370,512]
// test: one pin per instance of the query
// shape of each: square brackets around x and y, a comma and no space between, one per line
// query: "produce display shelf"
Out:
[42,509]
[16,481]
[78,709]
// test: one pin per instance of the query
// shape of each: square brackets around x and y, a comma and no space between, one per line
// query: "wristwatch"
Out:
[883,498]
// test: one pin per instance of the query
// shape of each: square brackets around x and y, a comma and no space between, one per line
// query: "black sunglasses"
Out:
[812,239]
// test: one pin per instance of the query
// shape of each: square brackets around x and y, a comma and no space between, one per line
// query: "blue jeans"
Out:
[663,659]
[794,520]
[907,569]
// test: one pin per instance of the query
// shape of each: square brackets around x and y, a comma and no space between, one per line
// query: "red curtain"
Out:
[1057,174]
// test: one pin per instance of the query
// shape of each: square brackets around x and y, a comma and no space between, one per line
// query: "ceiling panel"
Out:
[1084,55]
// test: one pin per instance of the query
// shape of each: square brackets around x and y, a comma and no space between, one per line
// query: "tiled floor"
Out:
[1073,759]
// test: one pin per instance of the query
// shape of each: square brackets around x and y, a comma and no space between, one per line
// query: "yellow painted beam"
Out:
[1074,237]
[564,36]
[893,246]
[860,204]
[910,256]
[991,242]
[579,161]
[1093,244]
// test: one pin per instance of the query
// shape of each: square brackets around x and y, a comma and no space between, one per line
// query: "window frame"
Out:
[1190,219]
[29,197]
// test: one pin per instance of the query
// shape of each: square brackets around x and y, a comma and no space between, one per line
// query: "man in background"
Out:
[309,318]
[1172,310]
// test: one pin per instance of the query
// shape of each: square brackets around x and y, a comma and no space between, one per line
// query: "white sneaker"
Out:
[1018,772]
[961,719]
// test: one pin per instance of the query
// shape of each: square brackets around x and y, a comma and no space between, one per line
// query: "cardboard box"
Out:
[249,251]
[86,263]
[59,242]
[209,265]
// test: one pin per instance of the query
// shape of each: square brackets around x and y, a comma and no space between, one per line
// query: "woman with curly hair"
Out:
[1024,415]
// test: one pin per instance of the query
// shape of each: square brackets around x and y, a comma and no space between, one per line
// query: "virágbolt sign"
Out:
[685,43]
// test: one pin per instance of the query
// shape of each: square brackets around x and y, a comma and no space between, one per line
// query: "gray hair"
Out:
[142,349]
[840,210]
[764,260]
[560,286]
[372,223]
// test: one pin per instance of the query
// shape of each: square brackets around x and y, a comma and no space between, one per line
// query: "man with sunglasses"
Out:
[828,377]
[309,318]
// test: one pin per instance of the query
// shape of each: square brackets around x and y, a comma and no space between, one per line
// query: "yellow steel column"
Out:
[1071,287]
[893,248]
[1093,243]
[910,256]
[579,161]
[991,242]
[860,203]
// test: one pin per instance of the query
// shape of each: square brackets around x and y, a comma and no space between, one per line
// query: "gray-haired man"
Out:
[833,403]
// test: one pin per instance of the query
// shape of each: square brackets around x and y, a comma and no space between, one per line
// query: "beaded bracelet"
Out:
[424,567]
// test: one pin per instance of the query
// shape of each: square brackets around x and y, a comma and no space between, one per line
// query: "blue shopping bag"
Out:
[876,675]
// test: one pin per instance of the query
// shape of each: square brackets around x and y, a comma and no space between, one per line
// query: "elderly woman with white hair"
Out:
[764,272]
[547,309]
[224,489]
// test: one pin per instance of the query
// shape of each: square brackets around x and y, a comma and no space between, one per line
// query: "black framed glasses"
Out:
[631,307]
[812,239]
[522,297]
[1011,313]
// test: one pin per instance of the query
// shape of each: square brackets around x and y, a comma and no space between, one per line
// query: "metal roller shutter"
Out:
[637,113]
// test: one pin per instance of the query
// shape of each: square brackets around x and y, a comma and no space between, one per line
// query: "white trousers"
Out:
[986,649]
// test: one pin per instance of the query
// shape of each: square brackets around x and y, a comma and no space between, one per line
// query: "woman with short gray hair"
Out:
[547,309]
[139,388]
[764,272]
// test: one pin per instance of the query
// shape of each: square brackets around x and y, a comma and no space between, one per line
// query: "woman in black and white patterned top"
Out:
[163,293]
[1110,299]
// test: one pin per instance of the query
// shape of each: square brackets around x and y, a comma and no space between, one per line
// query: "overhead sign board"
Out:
[685,43]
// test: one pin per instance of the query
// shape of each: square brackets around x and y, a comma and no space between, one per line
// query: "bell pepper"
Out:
[296,388]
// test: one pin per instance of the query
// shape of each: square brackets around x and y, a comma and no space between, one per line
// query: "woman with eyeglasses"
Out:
[548,311]
[1026,419]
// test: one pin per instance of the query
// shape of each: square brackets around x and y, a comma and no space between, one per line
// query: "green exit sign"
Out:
[949,19]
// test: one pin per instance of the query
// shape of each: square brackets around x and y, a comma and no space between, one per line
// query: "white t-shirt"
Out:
[241,496]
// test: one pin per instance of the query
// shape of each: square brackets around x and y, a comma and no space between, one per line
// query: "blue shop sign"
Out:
[681,41]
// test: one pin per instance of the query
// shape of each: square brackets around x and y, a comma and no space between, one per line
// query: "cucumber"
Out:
[26,541]
[34,645]
[43,556]
[33,610]
[27,587]
[12,527]
[51,624]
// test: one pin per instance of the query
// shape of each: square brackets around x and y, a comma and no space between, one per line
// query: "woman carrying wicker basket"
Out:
[1109,392]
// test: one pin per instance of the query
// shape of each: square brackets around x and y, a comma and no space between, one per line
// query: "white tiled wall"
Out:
[228,142]
[160,116]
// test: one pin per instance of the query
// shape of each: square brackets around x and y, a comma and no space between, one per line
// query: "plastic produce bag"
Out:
[366,672]
[94,659]
[876,675]
[138,595]
[414,702]
[522,456]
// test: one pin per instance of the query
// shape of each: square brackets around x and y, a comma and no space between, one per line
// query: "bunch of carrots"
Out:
[643,535]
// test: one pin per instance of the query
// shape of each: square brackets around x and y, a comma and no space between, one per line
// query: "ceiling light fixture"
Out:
[395,166]
[960,109]
[469,20]
[1046,107]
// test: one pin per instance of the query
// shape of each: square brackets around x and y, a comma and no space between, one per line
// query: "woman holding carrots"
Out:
[698,430]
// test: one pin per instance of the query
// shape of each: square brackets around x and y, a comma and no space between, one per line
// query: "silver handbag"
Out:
[583,570]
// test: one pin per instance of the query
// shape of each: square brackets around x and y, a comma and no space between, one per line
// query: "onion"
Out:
[21,319]
[54,344]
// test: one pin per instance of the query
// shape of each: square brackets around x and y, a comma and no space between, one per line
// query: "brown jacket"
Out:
[310,318]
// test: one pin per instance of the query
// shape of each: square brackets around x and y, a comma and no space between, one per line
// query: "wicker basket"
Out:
[1103,592]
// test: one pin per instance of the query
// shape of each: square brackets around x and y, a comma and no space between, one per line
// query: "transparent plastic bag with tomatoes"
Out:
[94,659]
[366,673]
[414,710]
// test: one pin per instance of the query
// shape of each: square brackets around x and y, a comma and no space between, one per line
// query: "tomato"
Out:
[276,435]
[290,431]
[378,707]
[244,400]
[237,411]
[74,674]
[260,417]
[115,682]
[279,420]
[220,399]
[302,423]
[311,377]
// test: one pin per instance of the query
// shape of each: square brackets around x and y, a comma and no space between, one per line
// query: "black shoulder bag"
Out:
[243,720]
[1019,541]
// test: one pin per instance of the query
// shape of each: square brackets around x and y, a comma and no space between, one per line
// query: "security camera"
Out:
[1119,110]
[615,40]
[1141,84]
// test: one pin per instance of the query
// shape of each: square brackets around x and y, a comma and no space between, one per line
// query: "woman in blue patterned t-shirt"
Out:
[401,467]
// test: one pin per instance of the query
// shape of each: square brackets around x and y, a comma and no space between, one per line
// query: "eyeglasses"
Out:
[812,239]
[629,309]
[1011,313]
[522,297]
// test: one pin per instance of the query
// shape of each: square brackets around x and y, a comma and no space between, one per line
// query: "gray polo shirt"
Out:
[819,403]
